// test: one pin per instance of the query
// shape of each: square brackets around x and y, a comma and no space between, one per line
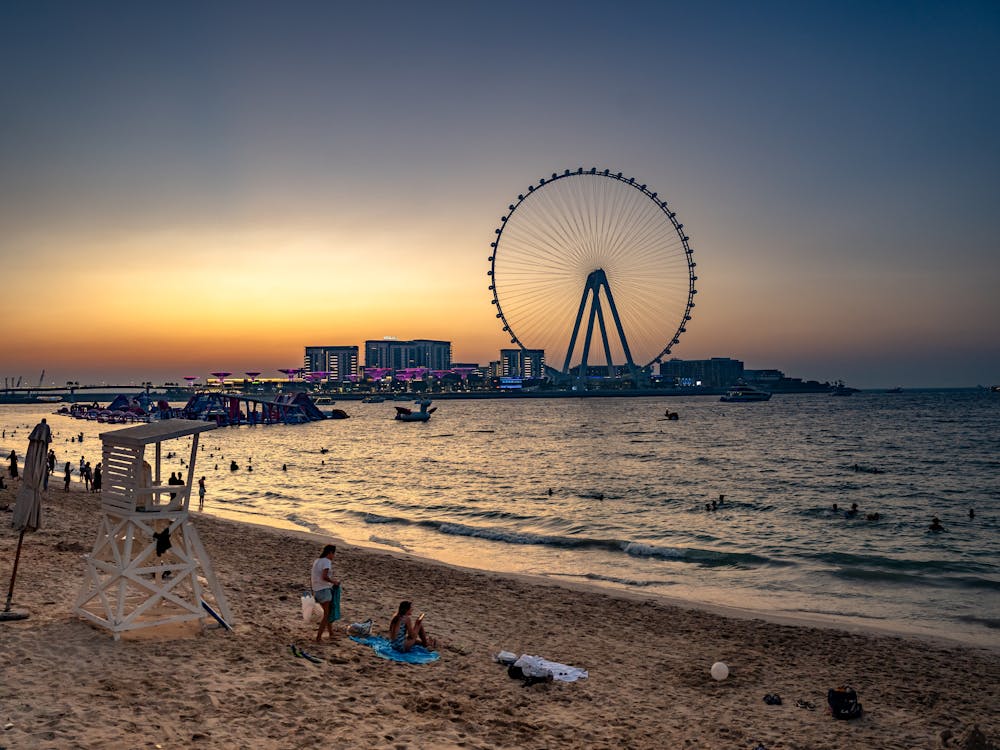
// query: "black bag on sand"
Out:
[843,702]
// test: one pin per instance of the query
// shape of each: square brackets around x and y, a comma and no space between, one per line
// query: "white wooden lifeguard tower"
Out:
[144,569]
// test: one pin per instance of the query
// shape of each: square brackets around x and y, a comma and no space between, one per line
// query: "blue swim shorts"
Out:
[324,595]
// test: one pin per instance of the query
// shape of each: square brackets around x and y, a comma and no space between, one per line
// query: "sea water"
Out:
[607,490]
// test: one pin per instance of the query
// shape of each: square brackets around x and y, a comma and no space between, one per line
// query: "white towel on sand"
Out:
[537,666]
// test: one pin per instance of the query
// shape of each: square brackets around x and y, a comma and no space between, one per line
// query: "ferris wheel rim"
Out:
[662,205]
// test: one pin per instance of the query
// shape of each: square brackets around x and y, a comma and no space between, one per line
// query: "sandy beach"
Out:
[67,684]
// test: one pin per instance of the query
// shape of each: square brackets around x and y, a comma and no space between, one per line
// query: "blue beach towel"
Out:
[382,647]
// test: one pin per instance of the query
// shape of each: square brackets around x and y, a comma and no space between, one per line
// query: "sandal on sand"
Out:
[772,699]
[806,705]
[296,651]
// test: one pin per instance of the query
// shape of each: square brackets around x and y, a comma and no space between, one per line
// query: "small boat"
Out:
[671,415]
[839,389]
[49,399]
[373,399]
[745,393]
[897,389]
[408,415]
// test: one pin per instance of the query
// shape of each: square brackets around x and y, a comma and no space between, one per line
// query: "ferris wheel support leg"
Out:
[618,323]
[607,345]
[594,307]
[576,327]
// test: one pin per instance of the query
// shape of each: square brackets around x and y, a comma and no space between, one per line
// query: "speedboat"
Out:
[745,393]
[404,414]
[839,389]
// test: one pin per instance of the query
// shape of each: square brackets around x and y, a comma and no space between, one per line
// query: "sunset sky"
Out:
[187,187]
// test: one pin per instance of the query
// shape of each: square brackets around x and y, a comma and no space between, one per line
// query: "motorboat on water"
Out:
[404,414]
[745,393]
[373,399]
[839,389]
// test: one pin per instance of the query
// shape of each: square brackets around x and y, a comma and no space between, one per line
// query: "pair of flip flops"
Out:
[296,651]
[772,699]
[806,705]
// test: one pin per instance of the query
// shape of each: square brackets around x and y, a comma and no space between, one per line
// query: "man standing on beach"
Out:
[201,494]
[323,584]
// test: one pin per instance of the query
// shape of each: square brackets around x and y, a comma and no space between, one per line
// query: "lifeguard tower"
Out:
[144,569]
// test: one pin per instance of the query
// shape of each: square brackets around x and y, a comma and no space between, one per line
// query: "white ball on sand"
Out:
[720,671]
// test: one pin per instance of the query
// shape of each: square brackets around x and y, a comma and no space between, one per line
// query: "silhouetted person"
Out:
[13,464]
[836,508]
[852,512]
[935,525]
[233,466]
[66,477]
[972,514]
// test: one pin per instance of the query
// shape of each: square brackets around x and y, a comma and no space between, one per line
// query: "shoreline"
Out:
[811,620]
[649,683]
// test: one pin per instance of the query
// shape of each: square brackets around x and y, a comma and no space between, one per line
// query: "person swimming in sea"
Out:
[836,508]
[872,517]
[852,512]
[935,525]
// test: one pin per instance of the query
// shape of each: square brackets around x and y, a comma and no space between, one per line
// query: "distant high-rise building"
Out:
[394,354]
[522,363]
[341,362]
[717,372]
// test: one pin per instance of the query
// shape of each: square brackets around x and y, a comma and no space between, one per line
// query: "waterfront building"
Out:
[341,362]
[764,377]
[522,363]
[393,354]
[717,372]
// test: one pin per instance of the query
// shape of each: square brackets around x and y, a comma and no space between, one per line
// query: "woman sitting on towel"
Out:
[405,632]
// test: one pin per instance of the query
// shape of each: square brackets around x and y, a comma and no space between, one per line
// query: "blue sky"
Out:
[322,173]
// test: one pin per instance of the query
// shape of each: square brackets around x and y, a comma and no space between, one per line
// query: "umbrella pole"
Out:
[7,614]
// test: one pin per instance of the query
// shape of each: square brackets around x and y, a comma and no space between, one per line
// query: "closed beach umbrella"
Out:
[28,507]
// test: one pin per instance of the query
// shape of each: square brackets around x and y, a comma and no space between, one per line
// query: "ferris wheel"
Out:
[590,247]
